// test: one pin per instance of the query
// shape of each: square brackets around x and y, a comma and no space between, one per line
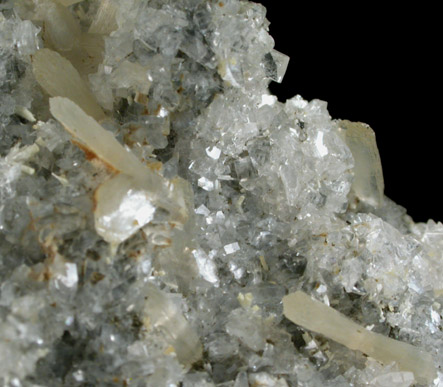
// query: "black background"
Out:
[375,66]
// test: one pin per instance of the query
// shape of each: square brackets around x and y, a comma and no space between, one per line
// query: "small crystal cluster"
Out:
[157,204]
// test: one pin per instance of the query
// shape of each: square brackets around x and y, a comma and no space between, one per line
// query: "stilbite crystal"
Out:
[156,209]
[368,182]
[98,140]
[163,314]
[104,20]
[136,186]
[59,78]
[320,318]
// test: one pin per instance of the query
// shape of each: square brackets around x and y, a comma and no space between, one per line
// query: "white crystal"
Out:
[59,78]
[322,150]
[316,316]
[206,266]
[114,270]
[368,182]
[104,20]
[268,99]
[96,138]
[247,326]
[281,61]
[123,206]
[70,279]
[231,248]
[394,379]
[79,376]
[213,153]
[165,315]
[202,210]
[206,184]
[264,379]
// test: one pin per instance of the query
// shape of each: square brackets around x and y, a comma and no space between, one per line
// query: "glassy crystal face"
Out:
[166,221]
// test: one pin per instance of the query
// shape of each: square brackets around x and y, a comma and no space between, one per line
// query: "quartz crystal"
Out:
[166,221]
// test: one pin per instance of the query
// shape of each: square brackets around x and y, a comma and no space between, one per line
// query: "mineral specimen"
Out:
[368,182]
[166,221]
[58,77]
[316,316]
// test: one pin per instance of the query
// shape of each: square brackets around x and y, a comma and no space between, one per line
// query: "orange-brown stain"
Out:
[91,155]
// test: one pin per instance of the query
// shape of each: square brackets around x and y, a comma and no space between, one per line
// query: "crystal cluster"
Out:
[159,207]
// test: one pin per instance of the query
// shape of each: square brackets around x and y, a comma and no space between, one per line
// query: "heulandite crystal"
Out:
[161,213]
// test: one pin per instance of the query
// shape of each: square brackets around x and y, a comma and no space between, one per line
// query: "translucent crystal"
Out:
[276,64]
[231,248]
[394,379]
[95,137]
[26,37]
[263,378]
[149,232]
[316,316]
[248,327]
[165,315]
[64,273]
[104,20]
[61,28]
[368,182]
[207,267]
[123,207]
[213,153]
[59,78]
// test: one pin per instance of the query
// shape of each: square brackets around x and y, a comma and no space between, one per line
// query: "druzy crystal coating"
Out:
[166,221]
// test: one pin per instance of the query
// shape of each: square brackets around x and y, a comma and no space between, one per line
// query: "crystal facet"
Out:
[166,221]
